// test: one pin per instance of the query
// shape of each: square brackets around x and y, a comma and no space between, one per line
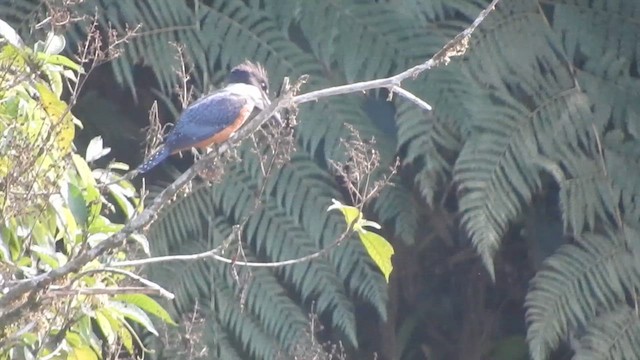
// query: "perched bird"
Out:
[212,119]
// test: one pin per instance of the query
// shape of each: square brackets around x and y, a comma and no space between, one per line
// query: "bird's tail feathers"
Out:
[155,159]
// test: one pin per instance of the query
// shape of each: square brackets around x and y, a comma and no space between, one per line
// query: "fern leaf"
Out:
[343,30]
[396,204]
[612,336]
[574,283]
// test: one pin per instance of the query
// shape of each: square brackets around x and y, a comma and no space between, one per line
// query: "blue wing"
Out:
[204,119]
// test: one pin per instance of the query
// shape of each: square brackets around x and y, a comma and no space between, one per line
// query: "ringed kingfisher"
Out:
[212,119]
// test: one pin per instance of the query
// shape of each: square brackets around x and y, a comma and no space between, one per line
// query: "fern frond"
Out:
[612,336]
[577,281]
[303,179]
[162,24]
[20,14]
[276,236]
[396,205]
[586,196]
[620,24]
[185,281]
[269,309]
[291,222]
[430,140]
[498,168]
[315,280]
[216,334]
[256,342]
[621,157]
[343,30]
[598,191]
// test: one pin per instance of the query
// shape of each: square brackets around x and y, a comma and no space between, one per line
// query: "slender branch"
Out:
[148,283]
[214,254]
[455,47]
[64,291]
[160,259]
[409,96]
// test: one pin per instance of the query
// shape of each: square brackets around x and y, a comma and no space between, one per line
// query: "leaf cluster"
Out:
[53,206]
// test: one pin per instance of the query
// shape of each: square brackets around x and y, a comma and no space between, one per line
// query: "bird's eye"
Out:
[264,86]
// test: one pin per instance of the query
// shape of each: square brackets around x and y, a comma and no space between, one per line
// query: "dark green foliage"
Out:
[612,336]
[289,224]
[576,283]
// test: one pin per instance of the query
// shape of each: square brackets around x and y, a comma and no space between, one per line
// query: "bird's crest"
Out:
[249,73]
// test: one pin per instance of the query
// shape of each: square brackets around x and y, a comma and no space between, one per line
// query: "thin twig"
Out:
[55,291]
[409,96]
[148,283]
[214,254]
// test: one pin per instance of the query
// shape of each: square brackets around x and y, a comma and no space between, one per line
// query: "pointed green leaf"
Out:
[105,326]
[134,313]
[147,304]
[58,115]
[77,204]
[83,170]
[60,60]
[118,325]
[82,353]
[380,251]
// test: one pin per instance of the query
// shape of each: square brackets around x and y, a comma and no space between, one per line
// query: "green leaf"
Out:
[118,326]
[125,336]
[82,353]
[134,313]
[5,252]
[64,217]
[59,115]
[74,339]
[142,241]
[351,214]
[102,225]
[105,326]
[377,247]
[86,335]
[60,60]
[147,304]
[77,204]
[380,251]
[83,170]
[49,256]
[121,195]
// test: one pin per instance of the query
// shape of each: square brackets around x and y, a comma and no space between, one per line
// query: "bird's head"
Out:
[250,74]
[254,75]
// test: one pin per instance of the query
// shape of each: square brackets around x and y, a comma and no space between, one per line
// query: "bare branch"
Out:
[409,96]
[148,283]
[214,254]
[55,291]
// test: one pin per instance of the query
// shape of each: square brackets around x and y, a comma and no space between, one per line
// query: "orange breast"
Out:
[223,135]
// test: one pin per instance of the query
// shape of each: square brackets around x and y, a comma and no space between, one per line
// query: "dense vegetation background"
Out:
[513,215]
